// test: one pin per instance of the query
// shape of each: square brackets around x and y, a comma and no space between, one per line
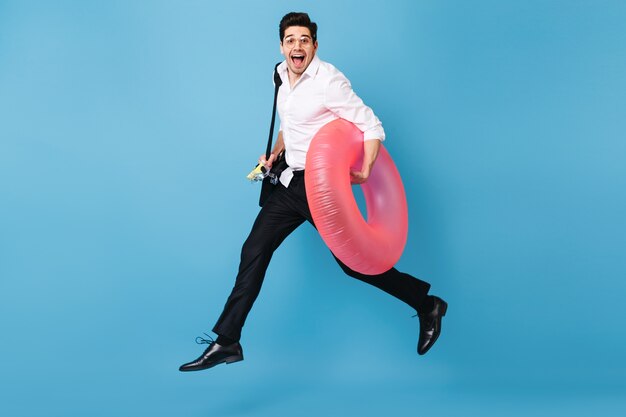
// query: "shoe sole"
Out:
[228,360]
[232,359]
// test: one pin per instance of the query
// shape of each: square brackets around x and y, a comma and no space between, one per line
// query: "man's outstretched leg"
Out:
[276,220]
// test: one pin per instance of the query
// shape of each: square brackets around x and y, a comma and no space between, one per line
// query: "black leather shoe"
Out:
[214,355]
[430,325]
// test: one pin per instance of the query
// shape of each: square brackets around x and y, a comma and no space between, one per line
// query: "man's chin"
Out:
[297,71]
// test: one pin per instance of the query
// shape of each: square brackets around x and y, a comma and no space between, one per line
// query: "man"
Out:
[312,94]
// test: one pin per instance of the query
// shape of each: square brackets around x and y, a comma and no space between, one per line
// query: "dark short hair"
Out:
[297,19]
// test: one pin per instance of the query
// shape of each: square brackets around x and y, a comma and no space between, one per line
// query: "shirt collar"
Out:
[311,70]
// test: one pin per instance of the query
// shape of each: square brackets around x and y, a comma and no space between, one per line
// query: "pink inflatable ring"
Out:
[370,247]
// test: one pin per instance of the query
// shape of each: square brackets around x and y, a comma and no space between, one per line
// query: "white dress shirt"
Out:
[321,95]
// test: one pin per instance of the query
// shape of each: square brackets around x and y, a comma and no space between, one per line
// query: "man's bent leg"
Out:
[411,290]
[414,292]
[404,287]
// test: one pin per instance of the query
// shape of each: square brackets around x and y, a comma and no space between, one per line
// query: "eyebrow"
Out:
[293,36]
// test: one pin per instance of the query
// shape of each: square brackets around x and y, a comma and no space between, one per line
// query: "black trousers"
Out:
[283,212]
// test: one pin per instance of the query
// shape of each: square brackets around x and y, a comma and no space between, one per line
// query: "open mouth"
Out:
[297,59]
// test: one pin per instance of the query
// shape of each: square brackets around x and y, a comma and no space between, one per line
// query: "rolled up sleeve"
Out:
[342,100]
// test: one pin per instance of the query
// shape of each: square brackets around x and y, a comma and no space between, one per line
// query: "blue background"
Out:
[127,128]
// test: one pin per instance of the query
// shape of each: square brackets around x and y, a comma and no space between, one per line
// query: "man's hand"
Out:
[267,163]
[358,177]
[370,148]
[278,148]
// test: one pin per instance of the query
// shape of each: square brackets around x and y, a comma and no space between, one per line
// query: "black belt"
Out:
[299,173]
